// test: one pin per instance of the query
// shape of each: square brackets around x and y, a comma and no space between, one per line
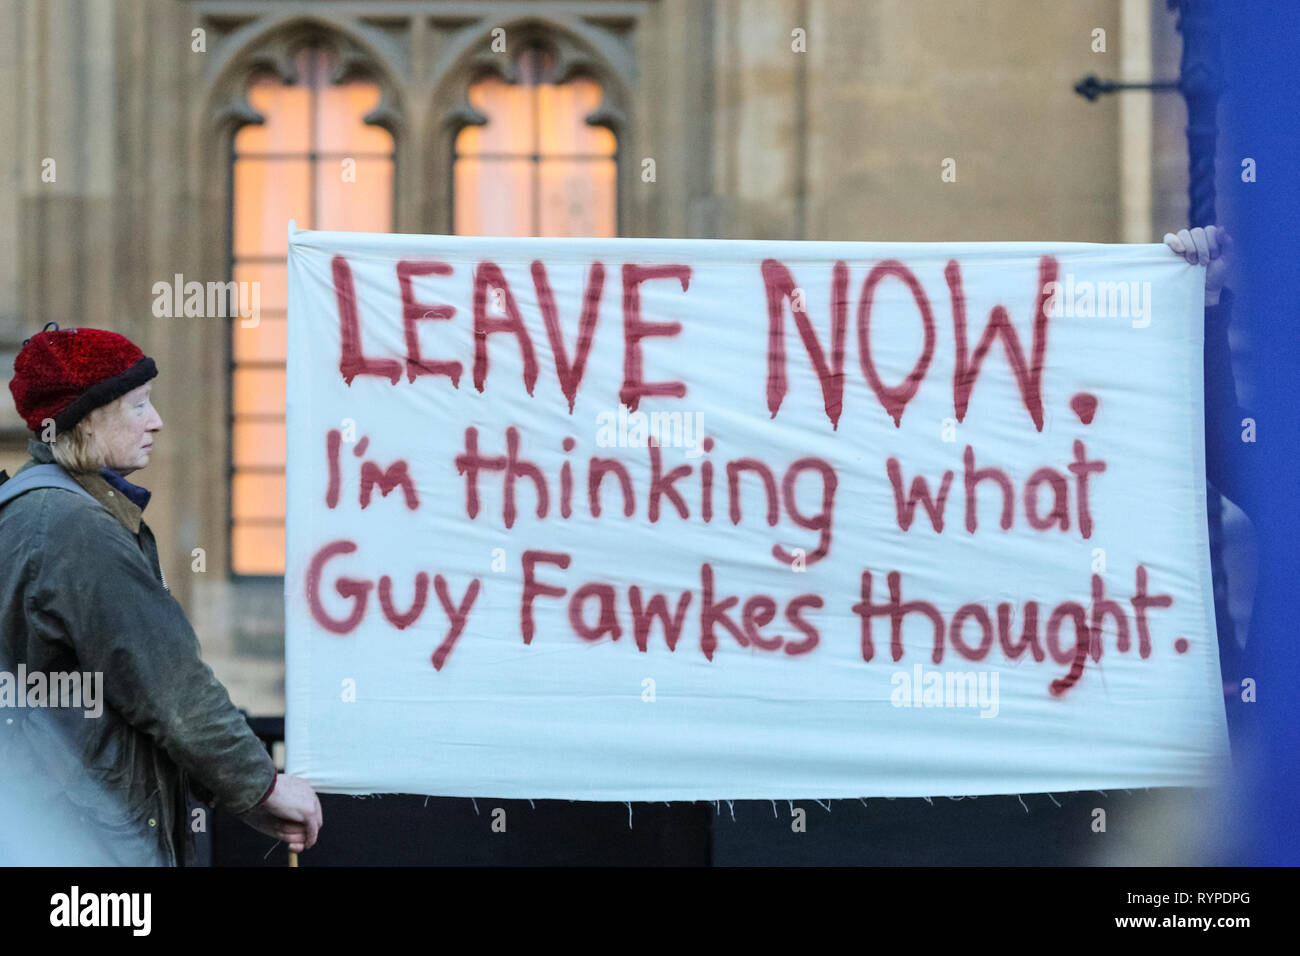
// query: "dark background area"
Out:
[404,830]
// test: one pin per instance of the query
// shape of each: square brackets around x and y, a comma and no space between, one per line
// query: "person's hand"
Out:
[291,813]
[1208,247]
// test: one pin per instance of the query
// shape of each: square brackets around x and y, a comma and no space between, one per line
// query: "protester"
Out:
[82,593]
[1225,419]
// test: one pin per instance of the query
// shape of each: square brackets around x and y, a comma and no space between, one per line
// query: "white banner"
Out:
[652,519]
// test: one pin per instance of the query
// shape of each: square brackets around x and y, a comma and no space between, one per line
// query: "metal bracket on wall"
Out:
[1091,87]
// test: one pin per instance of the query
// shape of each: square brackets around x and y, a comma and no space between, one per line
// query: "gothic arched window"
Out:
[313,159]
[535,166]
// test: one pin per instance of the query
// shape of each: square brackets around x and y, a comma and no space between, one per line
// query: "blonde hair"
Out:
[80,448]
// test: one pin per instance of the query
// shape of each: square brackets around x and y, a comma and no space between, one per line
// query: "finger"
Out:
[288,815]
[1174,243]
[312,828]
[1212,240]
[1202,246]
[1189,247]
[306,836]
[293,816]
[313,815]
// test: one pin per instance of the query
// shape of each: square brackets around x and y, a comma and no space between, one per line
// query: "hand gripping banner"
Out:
[658,519]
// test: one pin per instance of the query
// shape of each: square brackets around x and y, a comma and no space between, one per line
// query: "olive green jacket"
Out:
[81,589]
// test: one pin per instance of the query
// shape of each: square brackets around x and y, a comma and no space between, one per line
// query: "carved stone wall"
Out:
[751,138]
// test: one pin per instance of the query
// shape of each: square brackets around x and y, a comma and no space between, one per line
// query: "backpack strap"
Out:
[40,476]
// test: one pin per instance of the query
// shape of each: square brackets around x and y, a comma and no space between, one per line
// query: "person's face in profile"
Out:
[128,429]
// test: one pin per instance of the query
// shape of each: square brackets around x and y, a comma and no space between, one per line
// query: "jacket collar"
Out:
[114,492]
[138,496]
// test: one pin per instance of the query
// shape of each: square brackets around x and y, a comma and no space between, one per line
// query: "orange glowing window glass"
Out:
[536,167]
[313,159]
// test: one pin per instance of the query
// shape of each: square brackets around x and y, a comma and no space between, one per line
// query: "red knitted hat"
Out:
[65,374]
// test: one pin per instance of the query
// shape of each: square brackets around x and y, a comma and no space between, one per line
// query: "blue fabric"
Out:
[140,496]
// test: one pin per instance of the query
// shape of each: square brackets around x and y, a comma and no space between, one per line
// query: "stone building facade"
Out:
[782,119]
